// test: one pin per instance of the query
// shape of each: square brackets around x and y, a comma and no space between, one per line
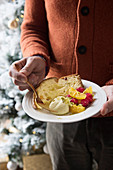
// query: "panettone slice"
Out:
[51,88]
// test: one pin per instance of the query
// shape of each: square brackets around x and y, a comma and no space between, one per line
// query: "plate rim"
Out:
[59,119]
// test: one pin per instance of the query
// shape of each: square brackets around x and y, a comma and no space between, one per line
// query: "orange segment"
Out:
[76,109]
[88,90]
[73,92]
[80,96]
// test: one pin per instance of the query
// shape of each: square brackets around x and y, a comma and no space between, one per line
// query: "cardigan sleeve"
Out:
[34,30]
[110,82]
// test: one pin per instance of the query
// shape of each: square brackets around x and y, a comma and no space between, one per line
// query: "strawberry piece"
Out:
[89,97]
[85,102]
[75,101]
[80,89]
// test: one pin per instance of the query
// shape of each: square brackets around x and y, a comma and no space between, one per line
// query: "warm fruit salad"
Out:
[75,102]
[79,99]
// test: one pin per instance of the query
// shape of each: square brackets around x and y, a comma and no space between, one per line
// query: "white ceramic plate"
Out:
[46,116]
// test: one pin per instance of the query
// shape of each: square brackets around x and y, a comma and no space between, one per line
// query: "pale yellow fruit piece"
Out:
[73,92]
[76,109]
[76,94]
[88,90]
[80,96]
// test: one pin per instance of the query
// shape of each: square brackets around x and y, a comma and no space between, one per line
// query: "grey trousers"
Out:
[74,146]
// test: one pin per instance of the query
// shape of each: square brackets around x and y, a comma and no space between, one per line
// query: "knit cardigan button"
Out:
[82,49]
[85,11]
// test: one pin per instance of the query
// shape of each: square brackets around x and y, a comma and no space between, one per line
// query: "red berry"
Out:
[85,102]
[68,95]
[80,89]
[89,97]
[88,94]
[75,101]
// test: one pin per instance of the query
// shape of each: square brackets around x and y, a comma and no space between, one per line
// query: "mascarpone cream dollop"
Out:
[59,106]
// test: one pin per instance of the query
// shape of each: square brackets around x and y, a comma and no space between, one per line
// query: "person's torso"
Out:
[85,29]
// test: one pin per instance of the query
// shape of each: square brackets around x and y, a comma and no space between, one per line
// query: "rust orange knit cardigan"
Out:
[64,30]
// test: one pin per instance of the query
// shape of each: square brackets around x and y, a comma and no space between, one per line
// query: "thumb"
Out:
[28,68]
[107,107]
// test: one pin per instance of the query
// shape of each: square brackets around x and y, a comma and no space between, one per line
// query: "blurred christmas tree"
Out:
[23,135]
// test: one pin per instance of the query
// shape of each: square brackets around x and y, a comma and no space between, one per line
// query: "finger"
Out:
[20,64]
[22,88]
[19,83]
[96,115]
[14,73]
[107,107]
[33,80]
[28,68]
[17,65]
[17,75]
